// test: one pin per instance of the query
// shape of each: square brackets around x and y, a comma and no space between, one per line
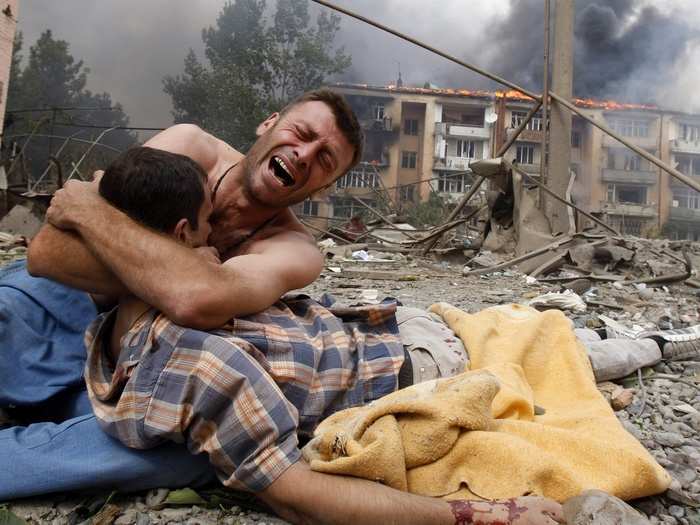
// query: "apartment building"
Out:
[421,140]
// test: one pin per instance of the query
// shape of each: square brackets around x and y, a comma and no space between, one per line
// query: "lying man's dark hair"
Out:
[345,117]
[155,187]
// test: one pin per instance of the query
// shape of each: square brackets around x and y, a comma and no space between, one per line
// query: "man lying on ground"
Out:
[293,490]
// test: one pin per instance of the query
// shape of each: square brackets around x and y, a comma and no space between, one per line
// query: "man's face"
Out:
[295,155]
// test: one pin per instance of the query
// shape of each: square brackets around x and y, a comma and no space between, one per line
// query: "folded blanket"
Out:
[476,435]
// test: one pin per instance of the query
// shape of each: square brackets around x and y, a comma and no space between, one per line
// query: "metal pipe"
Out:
[418,43]
[87,152]
[639,151]
[478,182]
[545,100]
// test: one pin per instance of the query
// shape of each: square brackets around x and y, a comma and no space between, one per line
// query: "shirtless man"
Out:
[93,246]
[267,252]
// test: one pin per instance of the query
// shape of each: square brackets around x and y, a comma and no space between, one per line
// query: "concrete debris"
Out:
[566,300]
[23,219]
[595,507]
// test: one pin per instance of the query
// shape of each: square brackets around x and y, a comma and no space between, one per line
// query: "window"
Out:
[410,126]
[344,207]
[688,164]
[633,162]
[686,198]
[309,207]
[378,111]
[630,128]
[690,132]
[406,193]
[611,193]
[611,160]
[448,183]
[357,178]
[466,149]
[408,159]
[631,194]
[525,154]
[517,117]
[575,139]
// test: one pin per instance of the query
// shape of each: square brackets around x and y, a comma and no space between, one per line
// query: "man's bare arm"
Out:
[188,288]
[301,495]
[64,257]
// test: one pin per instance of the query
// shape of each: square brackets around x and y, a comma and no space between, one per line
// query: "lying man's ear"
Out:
[267,124]
[183,232]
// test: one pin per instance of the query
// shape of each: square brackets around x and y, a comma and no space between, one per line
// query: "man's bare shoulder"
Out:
[211,153]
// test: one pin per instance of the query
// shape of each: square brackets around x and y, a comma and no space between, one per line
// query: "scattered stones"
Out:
[595,507]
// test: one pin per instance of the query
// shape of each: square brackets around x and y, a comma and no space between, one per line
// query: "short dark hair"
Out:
[155,187]
[345,117]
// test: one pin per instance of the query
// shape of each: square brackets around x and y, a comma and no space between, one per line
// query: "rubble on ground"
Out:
[660,405]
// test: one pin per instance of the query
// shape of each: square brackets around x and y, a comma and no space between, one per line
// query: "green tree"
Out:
[254,65]
[52,79]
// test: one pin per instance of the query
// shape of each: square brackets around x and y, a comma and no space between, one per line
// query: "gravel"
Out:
[668,425]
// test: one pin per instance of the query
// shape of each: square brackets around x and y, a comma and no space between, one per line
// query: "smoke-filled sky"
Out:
[635,50]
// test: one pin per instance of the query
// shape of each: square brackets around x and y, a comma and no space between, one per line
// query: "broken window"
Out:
[575,139]
[358,178]
[686,198]
[525,154]
[310,207]
[466,149]
[408,159]
[410,126]
[406,193]
[344,207]
[633,162]
[452,183]
[630,127]
[690,132]
[631,194]
[517,117]
[378,111]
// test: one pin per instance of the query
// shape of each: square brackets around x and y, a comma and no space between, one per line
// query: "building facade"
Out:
[421,140]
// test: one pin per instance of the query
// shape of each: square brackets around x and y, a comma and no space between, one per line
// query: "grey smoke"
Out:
[625,48]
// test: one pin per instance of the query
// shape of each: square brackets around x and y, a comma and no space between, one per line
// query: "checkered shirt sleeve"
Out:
[184,385]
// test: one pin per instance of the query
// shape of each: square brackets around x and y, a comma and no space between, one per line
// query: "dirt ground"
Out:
[421,282]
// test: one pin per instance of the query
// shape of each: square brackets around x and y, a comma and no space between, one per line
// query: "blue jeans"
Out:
[41,379]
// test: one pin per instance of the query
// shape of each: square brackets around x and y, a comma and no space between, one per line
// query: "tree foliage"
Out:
[49,82]
[255,64]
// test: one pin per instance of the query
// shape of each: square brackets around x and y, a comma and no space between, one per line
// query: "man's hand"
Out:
[71,204]
[209,253]
[527,510]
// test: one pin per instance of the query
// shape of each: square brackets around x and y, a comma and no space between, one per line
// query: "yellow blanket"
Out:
[477,435]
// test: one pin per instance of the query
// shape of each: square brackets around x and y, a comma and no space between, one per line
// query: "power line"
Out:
[129,128]
[49,110]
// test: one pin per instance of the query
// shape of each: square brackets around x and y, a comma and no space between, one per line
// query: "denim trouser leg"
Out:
[41,337]
[42,356]
[77,455]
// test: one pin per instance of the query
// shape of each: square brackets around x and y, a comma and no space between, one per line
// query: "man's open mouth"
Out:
[281,171]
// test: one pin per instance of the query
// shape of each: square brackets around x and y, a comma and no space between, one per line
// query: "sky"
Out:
[130,45]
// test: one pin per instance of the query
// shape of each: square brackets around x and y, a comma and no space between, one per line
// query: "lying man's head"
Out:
[302,149]
[164,191]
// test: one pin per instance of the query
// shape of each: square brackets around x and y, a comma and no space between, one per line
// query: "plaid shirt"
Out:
[242,393]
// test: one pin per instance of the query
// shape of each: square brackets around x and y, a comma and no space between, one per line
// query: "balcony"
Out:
[685,146]
[379,124]
[630,177]
[448,129]
[675,183]
[685,214]
[628,209]
[526,135]
[453,163]
[650,142]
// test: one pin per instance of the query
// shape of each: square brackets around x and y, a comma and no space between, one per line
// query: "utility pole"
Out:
[560,117]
